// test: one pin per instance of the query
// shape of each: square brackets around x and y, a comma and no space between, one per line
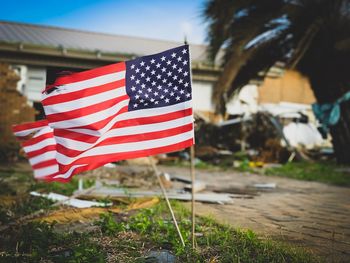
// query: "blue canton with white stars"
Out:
[159,80]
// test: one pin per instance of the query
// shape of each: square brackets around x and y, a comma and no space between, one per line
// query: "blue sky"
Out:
[168,20]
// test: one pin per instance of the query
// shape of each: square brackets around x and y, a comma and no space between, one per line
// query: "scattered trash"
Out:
[70,215]
[198,187]
[161,256]
[65,200]
[265,186]
[105,192]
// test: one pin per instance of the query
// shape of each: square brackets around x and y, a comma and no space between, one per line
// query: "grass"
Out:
[124,237]
[325,172]
[218,243]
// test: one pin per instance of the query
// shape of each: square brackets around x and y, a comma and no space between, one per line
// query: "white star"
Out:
[156,102]
[145,104]
[159,76]
[185,73]
[177,98]
[172,93]
[137,81]
[133,88]
[184,62]
[188,95]
[166,91]
[139,91]
[159,87]
[164,80]
[153,72]
[155,93]
[158,65]
[142,63]
[181,80]
[173,55]
[137,70]
[149,89]
[135,105]
[132,66]
[179,58]
[186,84]
[174,66]
[143,85]
[137,96]
[175,77]
[179,70]
[162,97]
[142,100]
[142,74]
[175,88]
[146,95]
[167,100]
[132,77]
[170,84]
[148,79]
[182,91]
[163,69]
[169,73]
[153,83]
[152,61]
[168,62]
[148,67]
[162,58]
[152,100]
[184,51]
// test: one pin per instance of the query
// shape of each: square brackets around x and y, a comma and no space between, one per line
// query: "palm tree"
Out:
[311,36]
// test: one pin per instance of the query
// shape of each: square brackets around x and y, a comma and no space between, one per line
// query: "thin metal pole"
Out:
[193,197]
[166,199]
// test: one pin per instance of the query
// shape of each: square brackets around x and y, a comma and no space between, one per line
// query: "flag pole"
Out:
[167,200]
[193,196]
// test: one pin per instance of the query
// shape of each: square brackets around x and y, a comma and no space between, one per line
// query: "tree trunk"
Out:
[341,135]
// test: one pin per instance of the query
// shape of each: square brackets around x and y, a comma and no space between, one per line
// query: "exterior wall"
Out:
[202,93]
[36,79]
[291,87]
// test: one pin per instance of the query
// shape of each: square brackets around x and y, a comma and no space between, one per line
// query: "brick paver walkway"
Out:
[312,215]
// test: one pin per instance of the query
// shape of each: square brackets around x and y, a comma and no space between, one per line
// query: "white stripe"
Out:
[42,172]
[39,145]
[85,84]
[136,114]
[91,118]
[46,130]
[28,131]
[84,101]
[42,157]
[134,130]
[69,172]
[127,147]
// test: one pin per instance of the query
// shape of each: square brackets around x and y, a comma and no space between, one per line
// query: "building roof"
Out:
[63,38]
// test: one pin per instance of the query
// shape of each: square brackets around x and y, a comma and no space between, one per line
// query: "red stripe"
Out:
[44,164]
[29,125]
[88,74]
[48,148]
[60,98]
[38,139]
[129,138]
[125,123]
[99,160]
[83,112]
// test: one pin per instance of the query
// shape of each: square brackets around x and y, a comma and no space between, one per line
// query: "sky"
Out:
[167,20]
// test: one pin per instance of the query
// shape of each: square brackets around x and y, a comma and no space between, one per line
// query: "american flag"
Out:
[126,110]
[39,145]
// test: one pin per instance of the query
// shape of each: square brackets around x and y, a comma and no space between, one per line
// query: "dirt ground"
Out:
[311,215]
